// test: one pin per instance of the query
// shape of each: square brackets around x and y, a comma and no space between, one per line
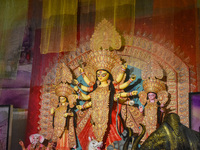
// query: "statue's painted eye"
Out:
[98,75]
[104,74]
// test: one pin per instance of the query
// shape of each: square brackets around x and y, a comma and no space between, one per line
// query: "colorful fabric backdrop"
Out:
[13,22]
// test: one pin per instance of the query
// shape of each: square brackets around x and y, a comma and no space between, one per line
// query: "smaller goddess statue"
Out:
[64,117]
[64,122]
[57,113]
[153,99]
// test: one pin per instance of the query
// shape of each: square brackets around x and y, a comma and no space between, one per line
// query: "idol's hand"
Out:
[134,92]
[66,114]
[75,96]
[75,82]
[131,103]
[133,77]
[80,69]
[49,145]
[79,107]
[162,105]
[21,143]
[117,95]
[76,88]
[124,66]
[140,108]
[52,111]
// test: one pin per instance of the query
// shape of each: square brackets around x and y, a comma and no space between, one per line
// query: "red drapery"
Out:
[40,63]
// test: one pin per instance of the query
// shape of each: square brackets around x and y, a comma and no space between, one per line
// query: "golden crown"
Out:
[104,39]
[103,59]
[63,89]
[153,85]
[63,74]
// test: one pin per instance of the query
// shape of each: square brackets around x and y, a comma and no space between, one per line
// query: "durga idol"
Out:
[104,75]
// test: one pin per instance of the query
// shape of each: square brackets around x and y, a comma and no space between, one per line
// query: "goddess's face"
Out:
[151,96]
[63,99]
[102,75]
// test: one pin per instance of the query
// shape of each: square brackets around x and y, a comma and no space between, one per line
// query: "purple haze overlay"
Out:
[16,91]
[195,109]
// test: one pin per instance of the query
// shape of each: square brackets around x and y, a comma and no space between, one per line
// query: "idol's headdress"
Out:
[63,74]
[63,89]
[152,76]
[103,44]
[63,78]
[153,85]
[152,82]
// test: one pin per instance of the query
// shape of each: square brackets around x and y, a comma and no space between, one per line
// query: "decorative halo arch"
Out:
[138,51]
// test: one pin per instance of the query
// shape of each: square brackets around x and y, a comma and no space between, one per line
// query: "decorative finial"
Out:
[105,37]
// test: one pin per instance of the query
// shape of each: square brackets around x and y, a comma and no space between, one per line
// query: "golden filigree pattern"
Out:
[63,74]
[48,100]
[59,122]
[152,70]
[132,117]
[90,74]
[150,118]
[163,97]
[72,100]
[153,85]
[82,118]
[63,89]
[116,71]
[137,53]
[100,111]
[105,36]
[71,133]
[143,97]
[102,59]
